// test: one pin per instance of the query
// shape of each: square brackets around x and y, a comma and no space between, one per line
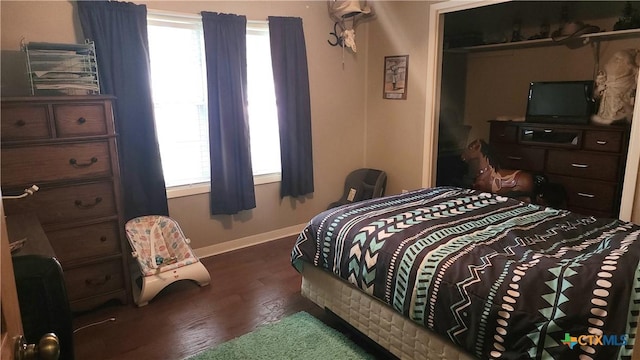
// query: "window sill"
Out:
[203,188]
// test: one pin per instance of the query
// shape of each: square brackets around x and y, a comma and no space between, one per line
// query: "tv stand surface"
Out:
[587,160]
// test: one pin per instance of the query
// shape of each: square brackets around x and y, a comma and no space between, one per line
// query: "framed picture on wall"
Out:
[395,77]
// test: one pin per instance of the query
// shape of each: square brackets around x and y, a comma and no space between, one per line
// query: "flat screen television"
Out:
[560,102]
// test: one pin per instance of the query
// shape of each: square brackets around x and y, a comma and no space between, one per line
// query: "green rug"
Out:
[299,336]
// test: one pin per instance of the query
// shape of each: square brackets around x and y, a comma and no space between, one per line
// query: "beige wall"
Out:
[498,81]
[337,106]
[353,126]
[395,128]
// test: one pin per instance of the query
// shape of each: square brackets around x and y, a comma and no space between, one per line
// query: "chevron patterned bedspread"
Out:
[498,277]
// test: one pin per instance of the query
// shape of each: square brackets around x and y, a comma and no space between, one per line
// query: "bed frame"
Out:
[394,332]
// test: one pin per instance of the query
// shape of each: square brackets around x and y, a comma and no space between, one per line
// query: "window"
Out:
[178,82]
[263,114]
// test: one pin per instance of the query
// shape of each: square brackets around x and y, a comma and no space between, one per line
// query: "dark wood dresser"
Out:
[588,160]
[66,145]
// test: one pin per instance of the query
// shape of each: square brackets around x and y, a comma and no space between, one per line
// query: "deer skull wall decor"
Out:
[346,15]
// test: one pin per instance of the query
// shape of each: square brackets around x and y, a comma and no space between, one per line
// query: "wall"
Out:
[337,106]
[395,128]
[498,81]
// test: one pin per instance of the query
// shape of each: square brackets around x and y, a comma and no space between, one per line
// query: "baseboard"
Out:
[248,241]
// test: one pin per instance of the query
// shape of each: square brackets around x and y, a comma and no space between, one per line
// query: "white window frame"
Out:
[205,187]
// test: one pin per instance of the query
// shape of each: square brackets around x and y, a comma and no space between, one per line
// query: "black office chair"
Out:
[362,184]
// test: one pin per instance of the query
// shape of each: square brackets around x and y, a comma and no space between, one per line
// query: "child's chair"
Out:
[163,255]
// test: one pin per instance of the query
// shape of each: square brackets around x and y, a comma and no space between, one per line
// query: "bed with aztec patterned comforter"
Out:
[497,277]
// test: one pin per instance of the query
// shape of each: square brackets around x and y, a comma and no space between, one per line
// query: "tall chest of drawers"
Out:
[588,160]
[66,145]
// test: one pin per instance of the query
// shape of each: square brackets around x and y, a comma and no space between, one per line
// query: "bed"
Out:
[450,273]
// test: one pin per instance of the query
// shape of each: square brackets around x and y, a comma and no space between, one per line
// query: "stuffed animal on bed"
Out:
[615,88]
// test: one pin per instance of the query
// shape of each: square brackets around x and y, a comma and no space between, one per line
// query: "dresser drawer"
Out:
[503,132]
[549,136]
[67,203]
[43,163]
[591,195]
[90,241]
[80,119]
[94,279]
[610,141]
[22,122]
[512,156]
[583,164]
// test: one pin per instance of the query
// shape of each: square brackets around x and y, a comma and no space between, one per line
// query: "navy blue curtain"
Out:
[119,31]
[291,78]
[225,43]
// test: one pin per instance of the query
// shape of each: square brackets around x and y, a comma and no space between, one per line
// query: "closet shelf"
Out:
[586,38]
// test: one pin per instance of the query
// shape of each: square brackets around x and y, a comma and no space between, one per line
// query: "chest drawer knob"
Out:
[79,203]
[75,163]
[103,238]
[590,196]
[82,120]
[601,142]
[579,166]
[20,123]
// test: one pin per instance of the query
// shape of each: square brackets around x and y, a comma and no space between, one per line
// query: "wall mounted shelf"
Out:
[586,38]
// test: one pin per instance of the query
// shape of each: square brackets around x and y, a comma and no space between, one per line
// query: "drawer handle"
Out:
[103,238]
[514,157]
[580,166]
[20,123]
[98,282]
[590,196]
[601,142]
[548,131]
[75,163]
[82,120]
[79,203]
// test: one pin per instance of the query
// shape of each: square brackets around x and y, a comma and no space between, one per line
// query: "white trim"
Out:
[205,187]
[188,190]
[434,58]
[432,87]
[248,241]
[259,24]
[266,178]
[632,165]
[172,16]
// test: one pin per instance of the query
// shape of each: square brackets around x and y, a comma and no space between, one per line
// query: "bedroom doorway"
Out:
[435,37]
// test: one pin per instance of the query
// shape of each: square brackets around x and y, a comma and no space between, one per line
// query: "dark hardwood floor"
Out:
[249,287]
